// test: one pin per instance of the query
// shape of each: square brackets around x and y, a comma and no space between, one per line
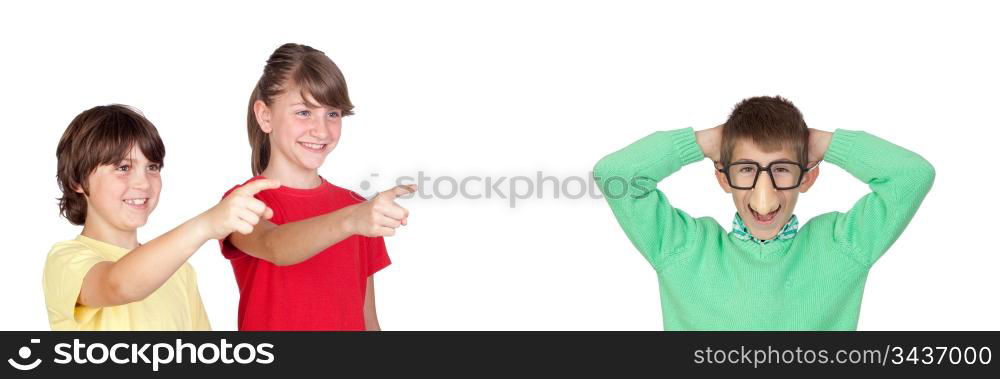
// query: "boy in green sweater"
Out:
[767,273]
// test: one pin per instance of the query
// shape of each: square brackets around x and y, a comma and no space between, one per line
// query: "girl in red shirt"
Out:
[310,266]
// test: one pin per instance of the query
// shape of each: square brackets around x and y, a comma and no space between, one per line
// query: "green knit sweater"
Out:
[711,280]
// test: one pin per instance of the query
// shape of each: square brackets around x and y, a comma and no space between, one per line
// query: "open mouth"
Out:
[139,203]
[764,218]
[314,147]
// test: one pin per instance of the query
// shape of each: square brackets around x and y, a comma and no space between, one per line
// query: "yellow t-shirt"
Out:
[174,306]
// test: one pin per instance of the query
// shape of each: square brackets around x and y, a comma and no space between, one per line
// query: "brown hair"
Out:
[772,123]
[300,65]
[100,135]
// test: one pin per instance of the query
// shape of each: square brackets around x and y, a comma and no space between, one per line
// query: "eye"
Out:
[154,167]
[746,169]
[123,168]
[302,113]
[333,114]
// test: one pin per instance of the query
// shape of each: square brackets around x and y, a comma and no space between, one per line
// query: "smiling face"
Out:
[121,196]
[301,131]
[764,209]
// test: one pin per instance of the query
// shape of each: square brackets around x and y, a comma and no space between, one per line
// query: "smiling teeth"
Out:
[135,201]
[313,145]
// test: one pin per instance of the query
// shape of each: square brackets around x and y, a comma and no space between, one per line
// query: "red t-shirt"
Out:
[325,292]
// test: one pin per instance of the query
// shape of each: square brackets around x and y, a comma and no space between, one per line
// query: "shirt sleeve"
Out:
[628,179]
[378,257]
[899,180]
[66,266]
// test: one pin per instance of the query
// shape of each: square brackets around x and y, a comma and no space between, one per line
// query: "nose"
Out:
[763,197]
[320,129]
[138,180]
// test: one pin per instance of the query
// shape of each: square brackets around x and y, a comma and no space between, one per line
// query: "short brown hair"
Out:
[772,123]
[100,135]
[306,67]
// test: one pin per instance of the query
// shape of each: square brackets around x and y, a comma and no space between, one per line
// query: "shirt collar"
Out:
[741,232]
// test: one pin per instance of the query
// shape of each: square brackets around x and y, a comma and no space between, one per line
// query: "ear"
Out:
[809,179]
[263,113]
[721,178]
[79,189]
[78,186]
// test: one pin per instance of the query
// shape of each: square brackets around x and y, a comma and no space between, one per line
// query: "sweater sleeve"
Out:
[899,180]
[628,179]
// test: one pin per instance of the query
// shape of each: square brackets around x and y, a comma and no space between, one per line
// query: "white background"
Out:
[508,89]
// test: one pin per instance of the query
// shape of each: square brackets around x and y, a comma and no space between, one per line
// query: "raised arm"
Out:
[294,242]
[899,180]
[144,269]
[628,178]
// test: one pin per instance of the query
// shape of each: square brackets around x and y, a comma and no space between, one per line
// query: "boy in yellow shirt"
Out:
[109,161]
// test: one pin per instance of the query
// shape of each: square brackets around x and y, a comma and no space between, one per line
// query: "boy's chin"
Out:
[133,223]
[770,231]
[134,226]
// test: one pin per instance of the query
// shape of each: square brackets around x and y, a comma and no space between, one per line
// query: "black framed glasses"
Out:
[784,175]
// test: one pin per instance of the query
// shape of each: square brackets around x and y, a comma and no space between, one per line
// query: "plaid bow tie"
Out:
[788,231]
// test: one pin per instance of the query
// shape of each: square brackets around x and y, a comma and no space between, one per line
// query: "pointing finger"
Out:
[256,186]
[400,190]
